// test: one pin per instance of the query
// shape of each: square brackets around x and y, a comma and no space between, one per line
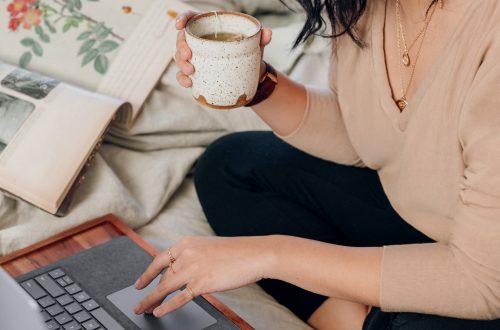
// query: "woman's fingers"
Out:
[175,303]
[184,80]
[181,39]
[183,18]
[182,57]
[183,64]
[152,299]
[183,51]
[266,37]
[159,263]
[165,287]
[164,278]
[186,67]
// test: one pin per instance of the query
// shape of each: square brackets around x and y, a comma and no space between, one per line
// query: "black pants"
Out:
[254,184]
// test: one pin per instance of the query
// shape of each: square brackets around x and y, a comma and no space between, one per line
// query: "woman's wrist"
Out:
[284,110]
[332,270]
[268,255]
[273,255]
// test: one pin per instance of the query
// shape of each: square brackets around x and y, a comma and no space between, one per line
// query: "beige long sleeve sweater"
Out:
[439,160]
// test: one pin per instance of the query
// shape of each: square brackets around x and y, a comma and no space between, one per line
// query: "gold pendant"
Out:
[406,59]
[401,103]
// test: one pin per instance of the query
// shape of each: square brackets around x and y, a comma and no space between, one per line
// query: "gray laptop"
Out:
[94,290]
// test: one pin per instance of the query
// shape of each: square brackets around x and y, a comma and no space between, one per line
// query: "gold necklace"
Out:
[405,56]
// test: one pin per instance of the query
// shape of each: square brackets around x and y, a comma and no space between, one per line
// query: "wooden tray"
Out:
[84,237]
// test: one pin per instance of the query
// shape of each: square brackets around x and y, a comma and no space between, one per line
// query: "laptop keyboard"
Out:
[65,306]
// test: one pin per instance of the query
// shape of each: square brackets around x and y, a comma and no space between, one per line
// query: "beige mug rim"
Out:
[212,13]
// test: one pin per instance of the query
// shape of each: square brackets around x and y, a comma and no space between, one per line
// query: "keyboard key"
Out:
[90,305]
[82,316]
[106,320]
[64,300]
[73,308]
[68,280]
[91,325]
[52,325]
[49,285]
[45,316]
[33,289]
[61,282]
[81,297]
[63,318]
[72,326]
[46,301]
[54,310]
[56,273]
[73,288]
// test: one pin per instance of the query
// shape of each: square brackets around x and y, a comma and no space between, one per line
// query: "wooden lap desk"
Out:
[84,237]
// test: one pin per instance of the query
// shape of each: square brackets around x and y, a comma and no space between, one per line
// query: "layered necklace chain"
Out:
[404,51]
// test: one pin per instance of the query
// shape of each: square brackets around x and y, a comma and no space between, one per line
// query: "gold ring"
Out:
[170,256]
[188,289]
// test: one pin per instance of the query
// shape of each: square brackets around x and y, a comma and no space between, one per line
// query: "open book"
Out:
[75,68]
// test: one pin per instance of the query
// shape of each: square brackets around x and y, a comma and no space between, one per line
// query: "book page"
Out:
[48,130]
[119,48]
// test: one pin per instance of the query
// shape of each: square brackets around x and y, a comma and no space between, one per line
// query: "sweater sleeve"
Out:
[322,132]
[460,278]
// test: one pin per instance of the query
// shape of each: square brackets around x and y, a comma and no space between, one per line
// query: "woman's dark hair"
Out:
[342,15]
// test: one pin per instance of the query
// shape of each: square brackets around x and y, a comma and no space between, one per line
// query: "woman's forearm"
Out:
[284,109]
[335,271]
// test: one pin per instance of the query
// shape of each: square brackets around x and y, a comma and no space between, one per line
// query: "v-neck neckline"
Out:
[380,65]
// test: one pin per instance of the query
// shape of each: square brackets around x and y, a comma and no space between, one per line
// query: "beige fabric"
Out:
[439,160]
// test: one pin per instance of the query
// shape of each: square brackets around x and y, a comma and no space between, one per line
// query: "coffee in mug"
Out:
[224,36]
[226,56]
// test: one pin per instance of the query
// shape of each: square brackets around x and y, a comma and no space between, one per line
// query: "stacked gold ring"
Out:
[172,260]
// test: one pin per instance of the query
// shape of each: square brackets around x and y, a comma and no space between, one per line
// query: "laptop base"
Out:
[111,267]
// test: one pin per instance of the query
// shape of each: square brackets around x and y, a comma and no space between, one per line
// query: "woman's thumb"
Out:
[265,39]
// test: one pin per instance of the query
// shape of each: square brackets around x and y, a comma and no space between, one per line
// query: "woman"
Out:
[382,190]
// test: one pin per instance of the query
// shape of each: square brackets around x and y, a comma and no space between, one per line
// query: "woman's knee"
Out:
[219,165]
[219,177]
[218,157]
[232,155]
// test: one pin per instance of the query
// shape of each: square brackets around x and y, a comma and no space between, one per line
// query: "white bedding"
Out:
[140,175]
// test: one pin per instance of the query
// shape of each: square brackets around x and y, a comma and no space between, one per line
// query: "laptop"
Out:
[94,290]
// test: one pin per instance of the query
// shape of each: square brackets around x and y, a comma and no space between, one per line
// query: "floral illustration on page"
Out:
[48,18]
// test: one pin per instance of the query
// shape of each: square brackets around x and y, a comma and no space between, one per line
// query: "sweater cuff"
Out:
[423,278]
[304,120]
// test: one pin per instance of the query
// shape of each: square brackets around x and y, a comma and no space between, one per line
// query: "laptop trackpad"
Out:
[190,317]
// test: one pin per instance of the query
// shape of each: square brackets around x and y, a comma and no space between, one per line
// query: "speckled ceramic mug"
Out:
[226,72]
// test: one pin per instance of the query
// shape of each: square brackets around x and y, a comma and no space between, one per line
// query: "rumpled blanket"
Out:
[140,174]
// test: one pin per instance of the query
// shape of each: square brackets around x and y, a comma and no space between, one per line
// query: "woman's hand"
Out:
[204,265]
[183,54]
